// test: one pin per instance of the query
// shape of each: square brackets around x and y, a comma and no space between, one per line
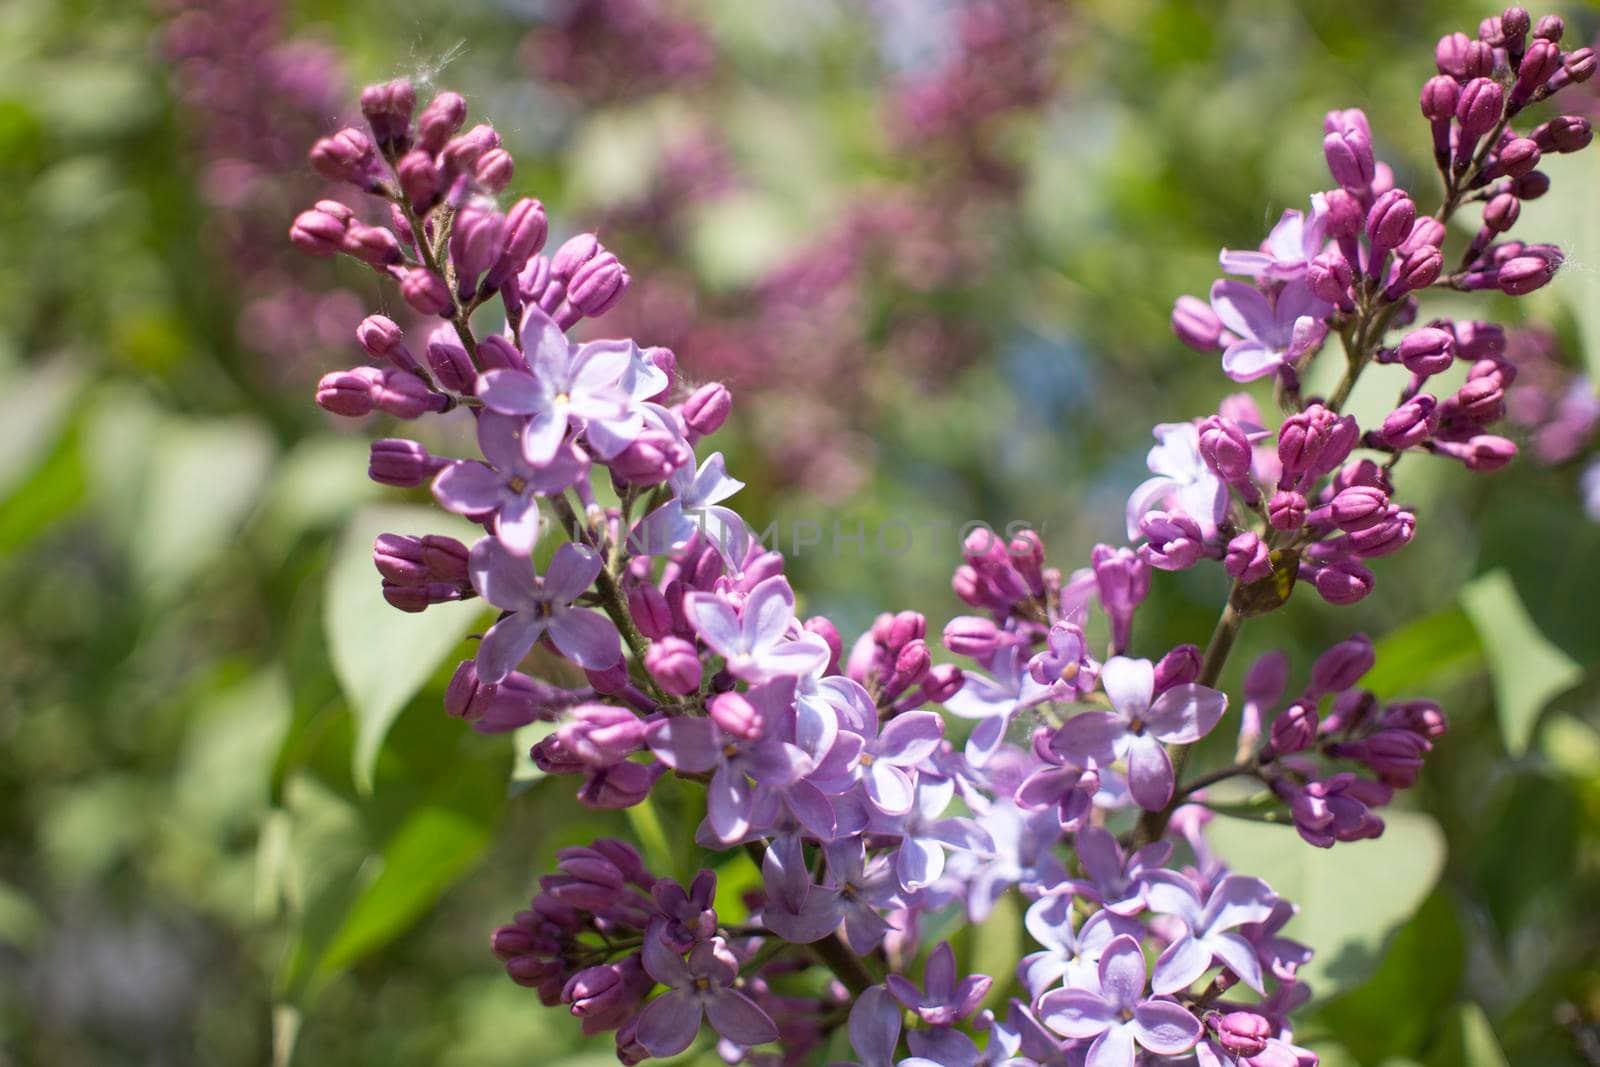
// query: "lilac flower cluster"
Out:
[875,824]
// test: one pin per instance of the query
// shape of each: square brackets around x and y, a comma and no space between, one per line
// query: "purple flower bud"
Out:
[439,121]
[1385,537]
[1329,277]
[445,557]
[707,409]
[1123,581]
[1480,399]
[1196,325]
[522,236]
[824,628]
[347,156]
[420,179]
[449,360]
[1349,155]
[1500,214]
[1550,28]
[400,559]
[1461,57]
[405,396]
[1225,448]
[574,253]
[372,245]
[1416,271]
[494,170]
[1174,542]
[1295,730]
[1579,64]
[1485,452]
[387,109]
[1342,666]
[475,243]
[402,463]
[1514,25]
[1439,97]
[1479,109]
[1428,351]
[349,392]
[736,716]
[1358,507]
[1390,221]
[1178,667]
[1248,559]
[461,155]
[1422,717]
[601,735]
[650,612]
[1265,680]
[1395,756]
[382,339]
[1286,510]
[1243,1033]
[911,665]
[596,286]
[1564,133]
[1342,582]
[1539,64]
[1524,274]
[1532,185]
[650,458]
[426,292]
[972,635]
[318,233]
[1314,442]
[415,598]
[497,353]
[943,682]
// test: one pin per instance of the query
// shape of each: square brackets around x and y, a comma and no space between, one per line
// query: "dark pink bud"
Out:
[387,109]
[942,683]
[1519,156]
[1178,667]
[1196,325]
[1428,351]
[1480,399]
[1345,214]
[446,558]
[495,352]
[449,360]
[707,408]
[1348,152]
[1539,63]
[1564,133]
[1265,680]
[373,245]
[1286,510]
[383,339]
[601,735]
[420,179]
[649,610]
[347,156]
[1342,582]
[1329,277]
[735,715]
[402,463]
[1248,559]
[1500,214]
[824,628]
[494,170]
[406,396]
[461,155]
[1342,666]
[1479,108]
[1413,422]
[415,598]
[1358,507]
[574,253]
[1525,274]
[971,635]
[439,121]
[475,242]
[1422,717]
[1243,1033]
[1173,542]
[1295,730]
[650,458]
[1579,64]
[1225,448]
[596,286]
[521,239]
[1439,97]
[1550,28]
[349,392]
[401,559]
[1532,185]
[1451,54]
[1416,271]
[318,233]
[1485,452]
[426,292]
[1390,220]
[1389,535]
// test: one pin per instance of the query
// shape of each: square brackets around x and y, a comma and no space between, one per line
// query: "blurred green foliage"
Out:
[235,823]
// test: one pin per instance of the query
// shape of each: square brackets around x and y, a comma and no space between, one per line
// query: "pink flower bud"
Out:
[1294,730]
[1342,582]
[736,716]
[349,392]
[707,408]
[494,170]
[1564,133]
[596,286]
[1479,108]
[523,235]
[318,233]
[1286,510]
[1329,277]
[405,396]
[402,463]
[347,156]
[1439,97]
[439,121]
[426,292]
[674,663]
[420,179]
[1247,559]
[1428,351]
[650,612]
[449,360]
[1342,666]
[1358,507]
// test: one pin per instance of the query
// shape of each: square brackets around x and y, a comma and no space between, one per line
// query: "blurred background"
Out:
[932,245]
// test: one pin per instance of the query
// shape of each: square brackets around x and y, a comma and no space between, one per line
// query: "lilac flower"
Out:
[857,893]
[943,1001]
[537,606]
[1236,901]
[695,746]
[1293,243]
[700,988]
[1271,332]
[1183,481]
[1282,956]
[885,764]
[995,701]
[1023,854]
[1115,882]
[1135,729]
[756,641]
[1059,784]
[874,1026]
[925,833]
[694,508]
[508,487]
[586,385]
[1068,954]
[1119,1016]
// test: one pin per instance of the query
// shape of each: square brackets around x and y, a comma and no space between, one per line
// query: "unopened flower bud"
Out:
[387,109]
[449,360]
[1178,667]
[1563,134]
[318,233]
[1294,730]
[1243,1033]
[1524,274]
[426,292]
[406,396]
[1329,276]
[707,409]
[439,121]
[1479,108]
[1196,325]
[1248,559]
[1286,510]
[650,612]
[1342,582]
[349,392]
[522,236]
[596,286]
[494,170]
[402,463]
[1428,351]
[347,156]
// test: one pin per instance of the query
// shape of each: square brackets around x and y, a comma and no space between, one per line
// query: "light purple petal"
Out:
[669,1023]
[691,745]
[1238,899]
[711,484]
[1146,497]
[1128,684]
[875,1027]
[778,763]
[739,1019]
[1183,961]
[504,580]
[468,488]
[1296,300]
[1114,1048]
[812,807]
[543,342]
[889,787]
[728,803]
[1165,1028]
[1186,713]
[768,611]
[715,621]
[587,638]
[918,863]
[542,436]
[512,392]
[1240,956]
[599,364]
[517,525]
[1076,1013]
[1122,972]
[1100,855]
[986,739]
[1242,308]
[1090,737]
[790,659]
[663,963]
[1170,893]
[507,641]
[1149,773]
[910,738]
[609,430]
[498,439]
[939,974]
[571,571]
[1248,360]
[1250,264]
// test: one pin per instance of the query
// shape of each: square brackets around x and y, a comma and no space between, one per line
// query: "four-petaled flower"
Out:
[756,642]
[537,606]
[1270,332]
[1236,901]
[508,486]
[1118,1016]
[700,987]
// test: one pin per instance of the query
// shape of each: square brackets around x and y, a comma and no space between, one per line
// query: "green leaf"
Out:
[1571,211]
[429,850]
[1468,1041]
[34,403]
[202,481]
[383,656]
[996,946]
[1351,897]
[1421,655]
[1527,670]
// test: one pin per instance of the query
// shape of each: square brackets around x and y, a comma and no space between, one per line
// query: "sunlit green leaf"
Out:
[1528,671]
